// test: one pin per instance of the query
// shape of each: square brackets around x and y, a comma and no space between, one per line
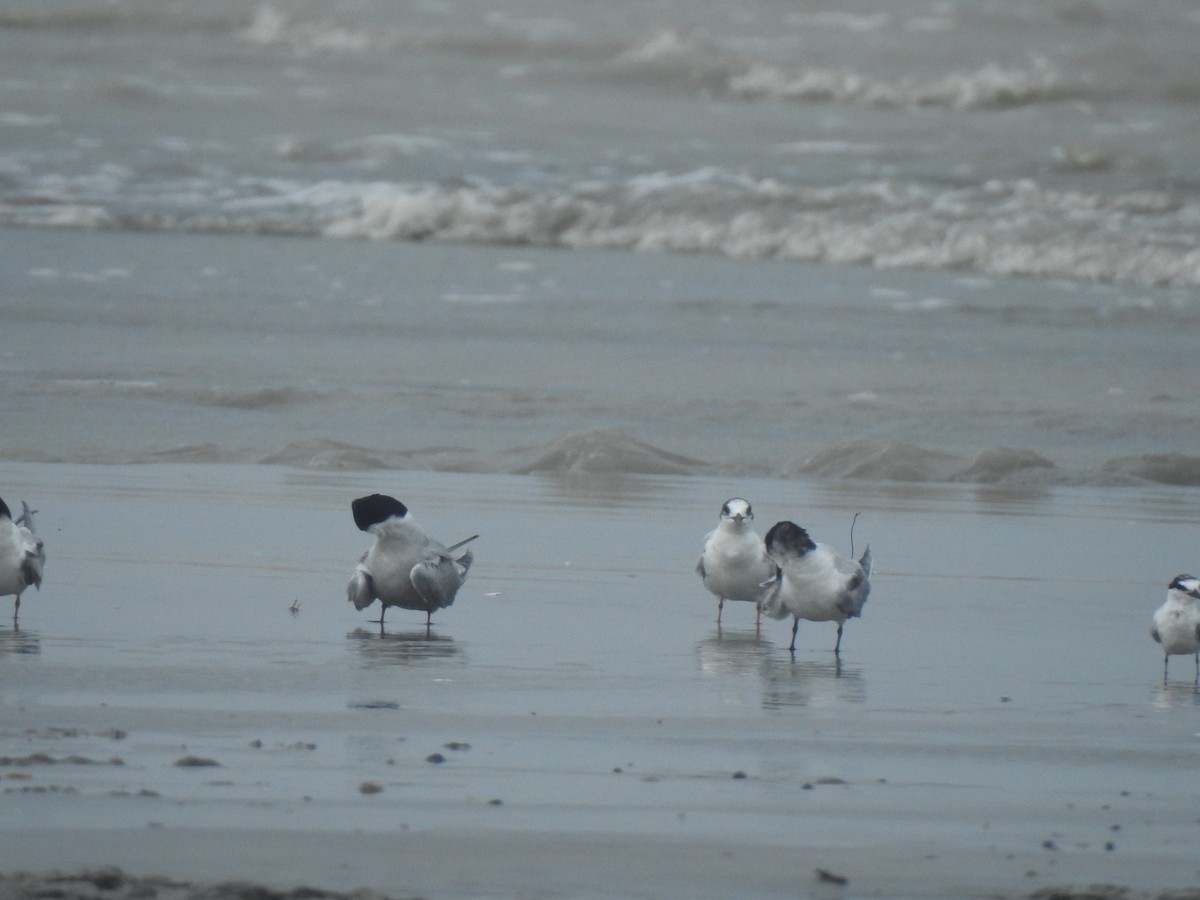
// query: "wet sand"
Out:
[191,696]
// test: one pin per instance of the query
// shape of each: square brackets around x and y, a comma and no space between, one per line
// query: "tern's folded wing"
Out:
[361,589]
[436,580]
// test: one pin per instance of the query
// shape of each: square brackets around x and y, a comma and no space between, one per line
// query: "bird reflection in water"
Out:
[789,684]
[402,648]
[785,682]
[730,653]
[19,643]
[1176,695]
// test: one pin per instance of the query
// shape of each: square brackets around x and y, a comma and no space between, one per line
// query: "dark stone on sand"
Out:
[197,762]
[827,877]
[111,883]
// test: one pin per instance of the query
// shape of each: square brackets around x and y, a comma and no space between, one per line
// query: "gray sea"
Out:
[569,275]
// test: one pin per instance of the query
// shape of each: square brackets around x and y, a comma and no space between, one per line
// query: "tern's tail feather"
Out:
[866,563]
[26,517]
[464,563]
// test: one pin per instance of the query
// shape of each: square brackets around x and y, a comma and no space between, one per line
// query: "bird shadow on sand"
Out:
[402,648]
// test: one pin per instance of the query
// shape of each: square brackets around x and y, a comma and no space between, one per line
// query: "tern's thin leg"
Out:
[795,626]
[1166,663]
[837,648]
[757,615]
[720,609]
[1198,667]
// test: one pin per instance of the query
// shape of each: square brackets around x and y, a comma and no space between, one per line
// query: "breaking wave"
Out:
[1149,237]
[610,451]
[990,86]
[614,451]
[595,451]
[668,54]
[862,458]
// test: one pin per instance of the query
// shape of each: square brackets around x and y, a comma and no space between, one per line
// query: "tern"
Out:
[1177,622]
[734,564]
[22,555]
[812,582]
[404,567]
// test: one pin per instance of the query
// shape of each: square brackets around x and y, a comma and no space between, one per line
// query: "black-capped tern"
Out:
[404,567]
[812,582]
[22,555]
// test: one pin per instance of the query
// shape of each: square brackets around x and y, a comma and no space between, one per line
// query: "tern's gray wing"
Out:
[33,558]
[361,589]
[31,567]
[437,577]
[858,585]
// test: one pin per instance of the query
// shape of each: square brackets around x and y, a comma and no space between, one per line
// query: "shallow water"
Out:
[1001,690]
[346,234]
[328,355]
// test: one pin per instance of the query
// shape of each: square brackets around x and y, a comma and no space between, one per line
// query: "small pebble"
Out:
[195,761]
[827,877]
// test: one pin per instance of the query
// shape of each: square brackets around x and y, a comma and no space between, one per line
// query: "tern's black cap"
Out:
[788,537]
[376,508]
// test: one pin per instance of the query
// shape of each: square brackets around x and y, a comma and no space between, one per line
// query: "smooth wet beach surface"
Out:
[190,694]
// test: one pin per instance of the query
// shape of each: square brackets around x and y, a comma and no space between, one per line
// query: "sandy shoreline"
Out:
[491,867]
[598,737]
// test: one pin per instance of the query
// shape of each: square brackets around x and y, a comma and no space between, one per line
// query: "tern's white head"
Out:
[1184,588]
[736,511]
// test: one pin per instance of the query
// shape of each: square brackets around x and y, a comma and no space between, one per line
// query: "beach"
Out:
[569,276]
[191,695]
